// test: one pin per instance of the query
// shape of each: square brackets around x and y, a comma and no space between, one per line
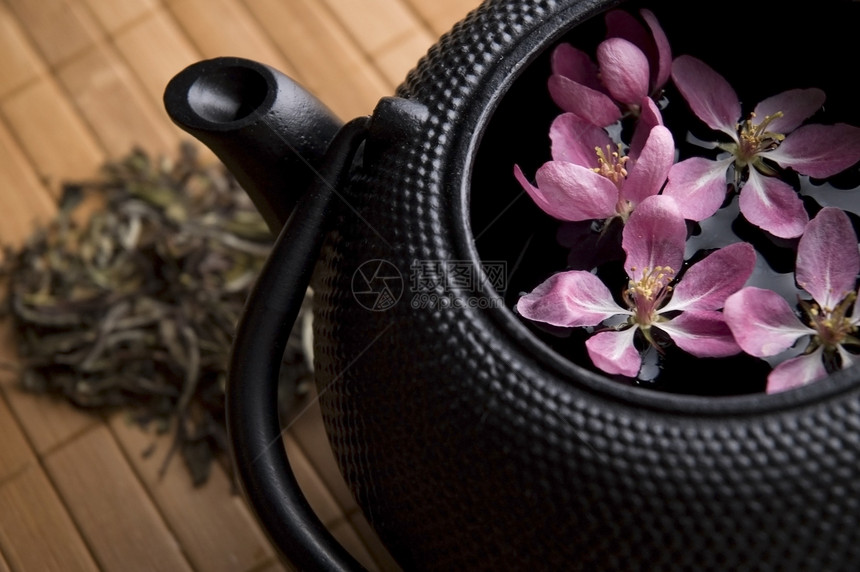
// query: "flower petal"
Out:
[762,321]
[571,192]
[708,94]
[564,192]
[623,24]
[654,236]
[796,105]
[586,102]
[772,205]
[624,70]
[702,334]
[647,175]
[663,63]
[649,113]
[707,284]
[535,193]
[649,118]
[574,140]
[847,359]
[614,352]
[855,311]
[698,185]
[797,372]
[568,299]
[827,257]
[819,151]
[575,65]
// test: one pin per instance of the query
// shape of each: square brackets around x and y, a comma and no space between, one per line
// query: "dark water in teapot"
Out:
[762,49]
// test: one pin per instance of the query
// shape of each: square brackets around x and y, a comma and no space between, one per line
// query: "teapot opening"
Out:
[508,225]
[228,94]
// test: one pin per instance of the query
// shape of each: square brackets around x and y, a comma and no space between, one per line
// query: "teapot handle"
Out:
[252,387]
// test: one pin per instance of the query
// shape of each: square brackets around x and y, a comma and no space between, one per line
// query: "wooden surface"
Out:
[80,83]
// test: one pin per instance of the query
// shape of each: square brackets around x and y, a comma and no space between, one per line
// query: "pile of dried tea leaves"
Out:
[135,308]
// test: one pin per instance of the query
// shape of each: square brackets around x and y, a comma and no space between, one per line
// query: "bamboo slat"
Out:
[326,59]
[60,29]
[19,63]
[154,68]
[213,525]
[57,141]
[113,104]
[227,28]
[36,532]
[123,528]
[113,15]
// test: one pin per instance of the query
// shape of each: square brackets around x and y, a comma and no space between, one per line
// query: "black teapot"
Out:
[467,439]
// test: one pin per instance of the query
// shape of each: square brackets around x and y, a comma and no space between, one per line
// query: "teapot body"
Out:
[469,441]
[471,445]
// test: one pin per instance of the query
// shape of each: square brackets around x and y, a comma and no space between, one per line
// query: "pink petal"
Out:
[652,42]
[654,236]
[702,334]
[827,257]
[847,359]
[819,151]
[622,24]
[649,118]
[709,95]
[797,105]
[575,65]
[571,192]
[855,312]
[762,322]
[555,198]
[614,352]
[698,185]
[797,372]
[707,284]
[623,70]
[535,193]
[772,205]
[664,51]
[586,102]
[568,299]
[574,140]
[647,175]
[650,114]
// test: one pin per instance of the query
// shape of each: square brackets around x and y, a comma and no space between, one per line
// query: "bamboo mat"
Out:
[81,82]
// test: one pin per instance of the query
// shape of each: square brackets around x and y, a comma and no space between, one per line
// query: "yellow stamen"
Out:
[610,164]
[755,138]
[833,328]
[646,295]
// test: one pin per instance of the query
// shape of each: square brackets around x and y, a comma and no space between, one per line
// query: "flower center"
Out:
[833,328]
[754,138]
[610,164]
[646,295]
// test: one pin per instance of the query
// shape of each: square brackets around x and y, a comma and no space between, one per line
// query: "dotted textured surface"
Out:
[470,447]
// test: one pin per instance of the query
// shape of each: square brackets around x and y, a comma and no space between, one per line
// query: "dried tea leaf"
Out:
[136,308]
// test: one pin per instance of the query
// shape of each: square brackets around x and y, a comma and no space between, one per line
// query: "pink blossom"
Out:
[688,312]
[773,132]
[589,178]
[764,325]
[632,64]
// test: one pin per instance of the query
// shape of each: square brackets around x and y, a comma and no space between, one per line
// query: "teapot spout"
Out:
[269,131]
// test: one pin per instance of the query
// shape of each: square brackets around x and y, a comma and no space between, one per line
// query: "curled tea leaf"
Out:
[136,308]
